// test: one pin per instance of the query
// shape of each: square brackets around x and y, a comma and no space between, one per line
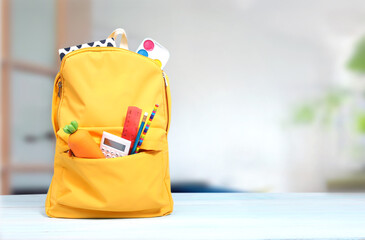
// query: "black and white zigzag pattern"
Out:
[109,42]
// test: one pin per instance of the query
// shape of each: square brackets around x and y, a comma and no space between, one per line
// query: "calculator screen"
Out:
[113,144]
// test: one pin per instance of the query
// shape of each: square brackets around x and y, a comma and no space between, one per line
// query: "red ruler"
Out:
[131,124]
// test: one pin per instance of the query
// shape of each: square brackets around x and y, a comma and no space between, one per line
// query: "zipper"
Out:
[56,99]
[60,85]
[97,49]
[167,101]
[163,75]
[59,88]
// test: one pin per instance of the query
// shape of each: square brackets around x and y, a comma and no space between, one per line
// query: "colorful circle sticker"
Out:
[148,45]
[158,62]
[143,52]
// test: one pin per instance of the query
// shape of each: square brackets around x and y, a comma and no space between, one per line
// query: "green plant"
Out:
[321,109]
[360,122]
[324,108]
[357,61]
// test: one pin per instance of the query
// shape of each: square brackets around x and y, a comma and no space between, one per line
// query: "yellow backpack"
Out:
[95,86]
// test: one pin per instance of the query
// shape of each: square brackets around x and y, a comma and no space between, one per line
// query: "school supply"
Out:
[130,127]
[109,42]
[96,85]
[152,49]
[139,132]
[146,128]
[113,146]
[81,143]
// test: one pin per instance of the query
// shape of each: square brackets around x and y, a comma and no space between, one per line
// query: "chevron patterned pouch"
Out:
[109,42]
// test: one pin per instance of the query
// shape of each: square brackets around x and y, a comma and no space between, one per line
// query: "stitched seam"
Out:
[164,93]
[164,180]
[50,196]
[52,187]
[106,49]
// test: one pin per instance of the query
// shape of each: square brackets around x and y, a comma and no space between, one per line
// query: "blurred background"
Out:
[267,96]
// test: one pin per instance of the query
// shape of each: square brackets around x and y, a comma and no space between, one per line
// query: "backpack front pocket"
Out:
[126,184]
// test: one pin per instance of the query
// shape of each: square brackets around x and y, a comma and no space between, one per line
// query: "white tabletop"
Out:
[200,216]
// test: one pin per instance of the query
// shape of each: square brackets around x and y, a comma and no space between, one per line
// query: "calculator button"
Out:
[102,149]
[111,152]
[107,150]
[116,155]
[108,156]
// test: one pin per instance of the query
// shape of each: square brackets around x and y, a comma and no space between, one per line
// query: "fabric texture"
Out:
[95,86]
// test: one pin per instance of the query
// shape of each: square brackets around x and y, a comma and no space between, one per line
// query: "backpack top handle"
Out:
[123,40]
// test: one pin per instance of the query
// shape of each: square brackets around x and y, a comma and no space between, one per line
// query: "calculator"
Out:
[113,146]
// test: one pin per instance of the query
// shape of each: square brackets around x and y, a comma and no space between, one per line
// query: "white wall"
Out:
[236,68]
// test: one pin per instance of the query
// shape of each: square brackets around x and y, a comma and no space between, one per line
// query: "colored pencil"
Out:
[139,132]
[147,127]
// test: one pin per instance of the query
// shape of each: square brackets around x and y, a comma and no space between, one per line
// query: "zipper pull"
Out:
[163,75]
[59,88]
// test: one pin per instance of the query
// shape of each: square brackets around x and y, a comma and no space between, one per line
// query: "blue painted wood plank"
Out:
[201,216]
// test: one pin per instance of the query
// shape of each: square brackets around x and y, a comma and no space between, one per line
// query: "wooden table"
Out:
[201,216]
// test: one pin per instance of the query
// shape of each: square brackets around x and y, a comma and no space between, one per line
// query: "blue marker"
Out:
[139,132]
